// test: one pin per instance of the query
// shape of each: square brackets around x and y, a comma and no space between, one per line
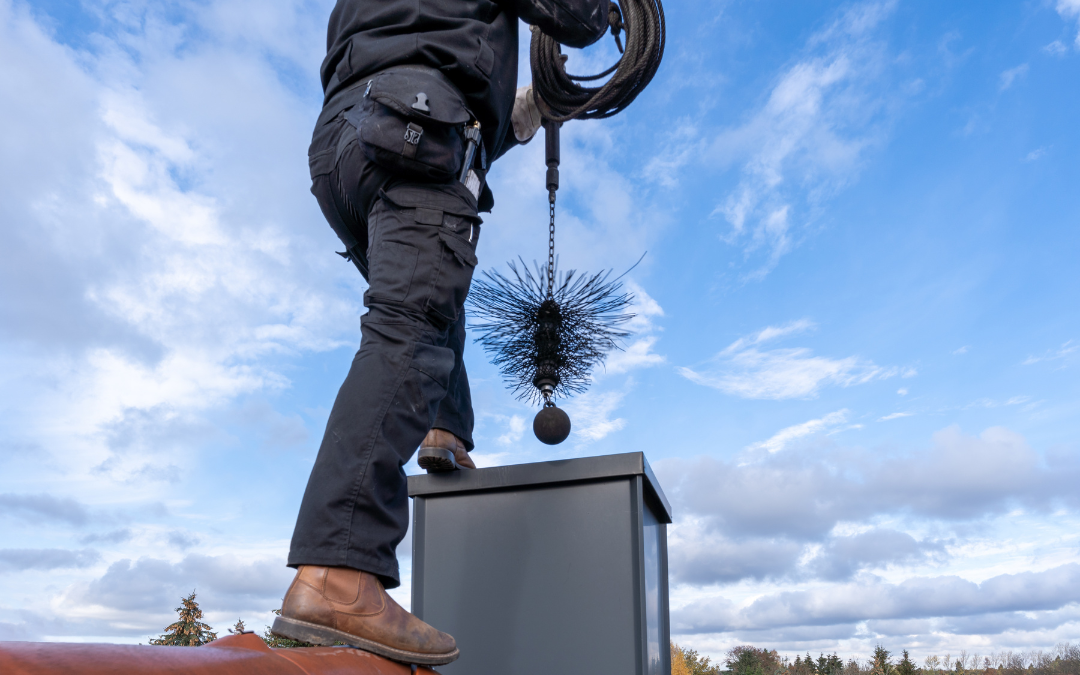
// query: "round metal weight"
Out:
[551,425]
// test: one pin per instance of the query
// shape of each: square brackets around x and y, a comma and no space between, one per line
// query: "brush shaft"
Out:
[551,152]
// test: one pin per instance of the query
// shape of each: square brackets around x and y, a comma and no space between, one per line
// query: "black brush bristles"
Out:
[534,333]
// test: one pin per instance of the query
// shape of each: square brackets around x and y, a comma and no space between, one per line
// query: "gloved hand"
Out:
[526,116]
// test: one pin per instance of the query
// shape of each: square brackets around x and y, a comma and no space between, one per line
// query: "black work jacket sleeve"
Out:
[575,23]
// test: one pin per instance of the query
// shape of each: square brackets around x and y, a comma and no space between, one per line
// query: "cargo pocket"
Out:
[456,267]
[444,227]
[392,264]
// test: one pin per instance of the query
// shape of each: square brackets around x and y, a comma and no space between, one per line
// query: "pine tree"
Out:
[905,667]
[188,630]
[881,662]
[834,665]
[239,628]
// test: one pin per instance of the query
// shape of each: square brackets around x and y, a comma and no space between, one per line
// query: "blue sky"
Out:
[854,365]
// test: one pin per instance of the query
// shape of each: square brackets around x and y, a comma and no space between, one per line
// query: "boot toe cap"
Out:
[443,643]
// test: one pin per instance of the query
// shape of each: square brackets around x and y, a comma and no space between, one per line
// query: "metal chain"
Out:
[551,246]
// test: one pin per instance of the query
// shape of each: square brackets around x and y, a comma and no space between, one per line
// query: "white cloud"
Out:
[1070,9]
[638,354]
[645,308]
[1063,353]
[805,495]
[163,267]
[36,508]
[788,435]
[189,254]
[683,144]
[743,370]
[895,416]
[917,597]
[15,559]
[961,350]
[515,428]
[811,546]
[1055,48]
[590,414]
[129,590]
[484,459]
[1036,154]
[1008,77]
[699,554]
[772,333]
[810,136]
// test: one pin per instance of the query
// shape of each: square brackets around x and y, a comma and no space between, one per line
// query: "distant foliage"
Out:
[188,630]
[689,662]
[678,662]
[746,660]
[277,642]
[1063,659]
[239,628]
[699,665]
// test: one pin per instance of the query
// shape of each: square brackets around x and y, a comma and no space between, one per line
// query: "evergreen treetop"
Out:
[188,630]
[881,662]
[906,667]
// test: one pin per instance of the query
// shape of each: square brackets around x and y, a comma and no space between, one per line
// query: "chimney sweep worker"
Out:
[420,98]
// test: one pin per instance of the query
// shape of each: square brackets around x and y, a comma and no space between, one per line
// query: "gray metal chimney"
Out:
[553,568]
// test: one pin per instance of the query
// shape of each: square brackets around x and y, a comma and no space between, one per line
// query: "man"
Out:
[408,84]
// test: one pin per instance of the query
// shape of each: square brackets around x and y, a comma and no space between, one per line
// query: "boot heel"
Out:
[304,632]
[434,460]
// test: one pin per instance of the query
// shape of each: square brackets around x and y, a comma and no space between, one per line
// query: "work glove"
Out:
[526,116]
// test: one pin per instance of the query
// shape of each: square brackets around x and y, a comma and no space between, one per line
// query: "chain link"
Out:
[551,247]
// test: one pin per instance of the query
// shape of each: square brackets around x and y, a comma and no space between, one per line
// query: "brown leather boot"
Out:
[326,605]
[443,451]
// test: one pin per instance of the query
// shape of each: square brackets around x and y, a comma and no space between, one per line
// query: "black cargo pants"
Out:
[417,243]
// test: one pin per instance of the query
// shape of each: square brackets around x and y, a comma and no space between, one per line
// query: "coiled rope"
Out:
[559,95]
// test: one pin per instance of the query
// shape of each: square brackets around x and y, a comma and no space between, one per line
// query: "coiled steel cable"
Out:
[560,97]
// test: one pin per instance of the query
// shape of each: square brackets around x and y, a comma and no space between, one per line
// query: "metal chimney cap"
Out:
[583,469]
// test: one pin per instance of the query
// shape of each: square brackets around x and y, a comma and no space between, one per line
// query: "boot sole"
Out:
[436,460]
[294,629]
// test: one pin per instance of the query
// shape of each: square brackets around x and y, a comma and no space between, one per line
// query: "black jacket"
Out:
[473,42]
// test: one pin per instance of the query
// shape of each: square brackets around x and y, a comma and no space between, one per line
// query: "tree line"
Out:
[1063,659]
[190,631]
